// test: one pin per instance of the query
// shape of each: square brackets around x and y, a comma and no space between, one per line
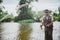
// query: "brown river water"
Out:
[26,31]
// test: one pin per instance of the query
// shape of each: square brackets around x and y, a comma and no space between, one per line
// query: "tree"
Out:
[24,14]
[1,1]
[59,10]
[0,8]
[3,14]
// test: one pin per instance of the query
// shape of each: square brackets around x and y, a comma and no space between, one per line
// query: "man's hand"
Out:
[41,26]
[47,25]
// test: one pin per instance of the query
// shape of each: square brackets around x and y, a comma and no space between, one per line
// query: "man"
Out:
[48,24]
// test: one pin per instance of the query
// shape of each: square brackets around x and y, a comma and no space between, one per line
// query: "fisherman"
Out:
[47,22]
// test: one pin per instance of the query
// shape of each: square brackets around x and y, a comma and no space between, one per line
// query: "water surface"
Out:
[28,31]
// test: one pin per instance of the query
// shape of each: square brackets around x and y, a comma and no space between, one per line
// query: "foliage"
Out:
[56,17]
[1,1]
[38,15]
[25,11]
[59,9]
[3,14]
[9,18]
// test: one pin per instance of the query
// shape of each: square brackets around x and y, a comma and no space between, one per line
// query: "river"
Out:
[26,31]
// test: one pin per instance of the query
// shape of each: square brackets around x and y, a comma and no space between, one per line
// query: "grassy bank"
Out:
[27,21]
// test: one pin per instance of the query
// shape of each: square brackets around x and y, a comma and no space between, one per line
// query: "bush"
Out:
[56,17]
[59,18]
[7,20]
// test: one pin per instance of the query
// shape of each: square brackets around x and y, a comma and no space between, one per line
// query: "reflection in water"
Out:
[28,31]
[25,31]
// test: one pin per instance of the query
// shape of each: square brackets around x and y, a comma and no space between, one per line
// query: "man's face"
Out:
[46,14]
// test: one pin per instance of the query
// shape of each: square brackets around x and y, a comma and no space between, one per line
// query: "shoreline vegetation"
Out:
[27,15]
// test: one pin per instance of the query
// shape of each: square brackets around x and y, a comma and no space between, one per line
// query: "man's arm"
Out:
[42,23]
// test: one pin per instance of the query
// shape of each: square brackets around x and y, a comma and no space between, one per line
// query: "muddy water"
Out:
[28,31]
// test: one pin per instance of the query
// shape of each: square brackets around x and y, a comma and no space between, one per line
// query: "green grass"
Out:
[27,21]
